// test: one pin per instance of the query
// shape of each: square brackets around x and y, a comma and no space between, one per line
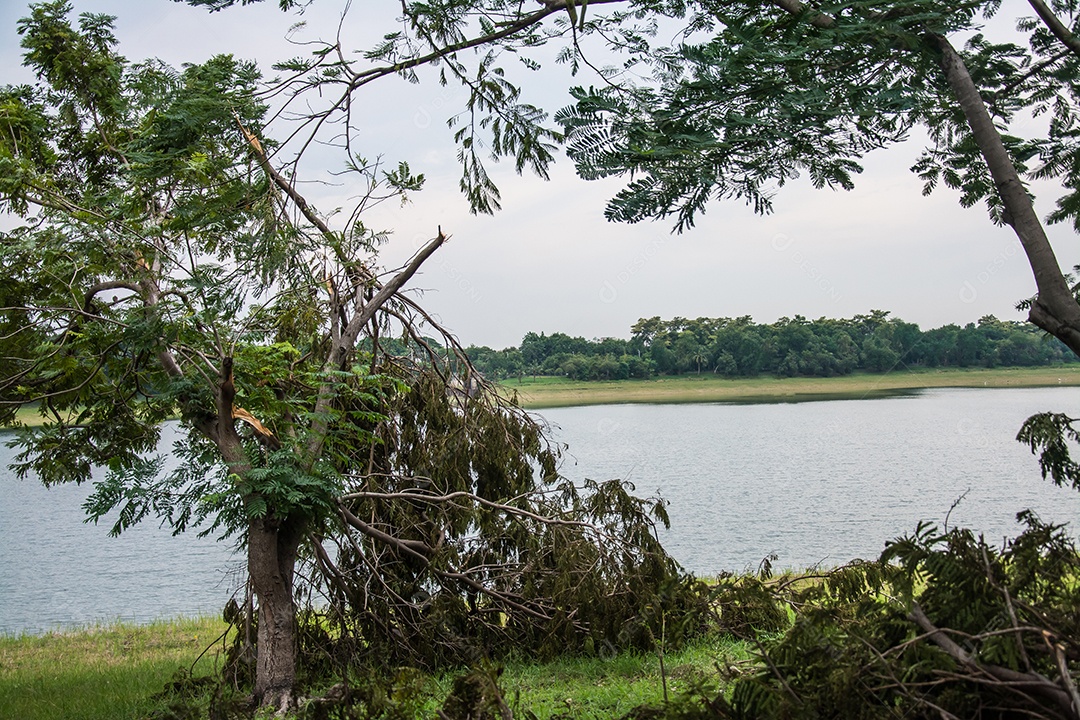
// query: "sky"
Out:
[550,262]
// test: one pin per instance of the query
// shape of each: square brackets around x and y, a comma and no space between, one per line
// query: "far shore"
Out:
[546,392]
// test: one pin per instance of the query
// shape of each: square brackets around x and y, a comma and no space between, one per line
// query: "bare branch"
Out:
[1037,683]
[509,509]
[101,287]
[1063,668]
[411,548]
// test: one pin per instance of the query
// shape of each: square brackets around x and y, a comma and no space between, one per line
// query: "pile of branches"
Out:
[942,626]
[456,541]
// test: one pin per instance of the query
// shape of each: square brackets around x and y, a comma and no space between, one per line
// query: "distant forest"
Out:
[739,347]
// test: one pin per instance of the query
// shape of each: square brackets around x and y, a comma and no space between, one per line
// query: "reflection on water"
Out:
[818,482]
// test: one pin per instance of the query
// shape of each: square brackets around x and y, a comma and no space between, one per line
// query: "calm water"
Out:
[57,571]
[818,482]
[821,482]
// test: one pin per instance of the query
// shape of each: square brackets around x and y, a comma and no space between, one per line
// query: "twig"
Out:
[1038,684]
[1063,668]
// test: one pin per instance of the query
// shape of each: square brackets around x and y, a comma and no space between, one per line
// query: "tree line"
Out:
[789,347]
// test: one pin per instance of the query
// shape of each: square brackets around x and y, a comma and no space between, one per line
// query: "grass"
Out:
[613,686]
[544,392]
[111,673]
[27,416]
[99,673]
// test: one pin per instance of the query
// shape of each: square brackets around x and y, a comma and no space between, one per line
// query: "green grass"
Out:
[605,686]
[543,392]
[100,673]
[611,687]
[27,416]
[111,673]
[30,416]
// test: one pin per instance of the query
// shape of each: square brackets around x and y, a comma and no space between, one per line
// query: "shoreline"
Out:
[546,392]
[540,392]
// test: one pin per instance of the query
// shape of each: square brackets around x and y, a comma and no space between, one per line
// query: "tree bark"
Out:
[1055,309]
[1054,25]
[273,543]
[272,550]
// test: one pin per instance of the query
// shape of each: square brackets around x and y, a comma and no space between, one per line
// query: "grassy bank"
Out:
[542,392]
[111,673]
[560,392]
[610,687]
[99,673]
[28,416]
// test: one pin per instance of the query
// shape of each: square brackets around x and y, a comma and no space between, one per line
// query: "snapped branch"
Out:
[1039,685]
[420,551]
[462,495]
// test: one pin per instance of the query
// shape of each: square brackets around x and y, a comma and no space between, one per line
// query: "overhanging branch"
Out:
[419,551]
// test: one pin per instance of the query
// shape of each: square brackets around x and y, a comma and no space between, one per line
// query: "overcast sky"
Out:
[550,262]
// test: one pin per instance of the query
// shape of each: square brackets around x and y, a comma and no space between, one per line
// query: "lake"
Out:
[821,482]
[58,571]
[813,482]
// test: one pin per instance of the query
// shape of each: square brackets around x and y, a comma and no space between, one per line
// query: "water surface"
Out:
[819,482]
[57,571]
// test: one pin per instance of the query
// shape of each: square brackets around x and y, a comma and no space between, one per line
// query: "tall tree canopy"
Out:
[750,96]
[760,92]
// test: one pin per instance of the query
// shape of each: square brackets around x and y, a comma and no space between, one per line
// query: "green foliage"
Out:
[215,5]
[755,96]
[765,97]
[1049,435]
[738,347]
[515,128]
[745,606]
[463,542]
[149,218]
[496,121]
[856,651]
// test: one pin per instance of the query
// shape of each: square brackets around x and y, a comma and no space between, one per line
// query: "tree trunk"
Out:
[1055,309]
[272,550]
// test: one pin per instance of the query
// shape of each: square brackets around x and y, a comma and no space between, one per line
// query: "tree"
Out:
[166,266]
[688,351]
[780,88]
[160,271]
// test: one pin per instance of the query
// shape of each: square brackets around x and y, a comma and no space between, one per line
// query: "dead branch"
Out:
[508,509]
[1037,684]
[412,548]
